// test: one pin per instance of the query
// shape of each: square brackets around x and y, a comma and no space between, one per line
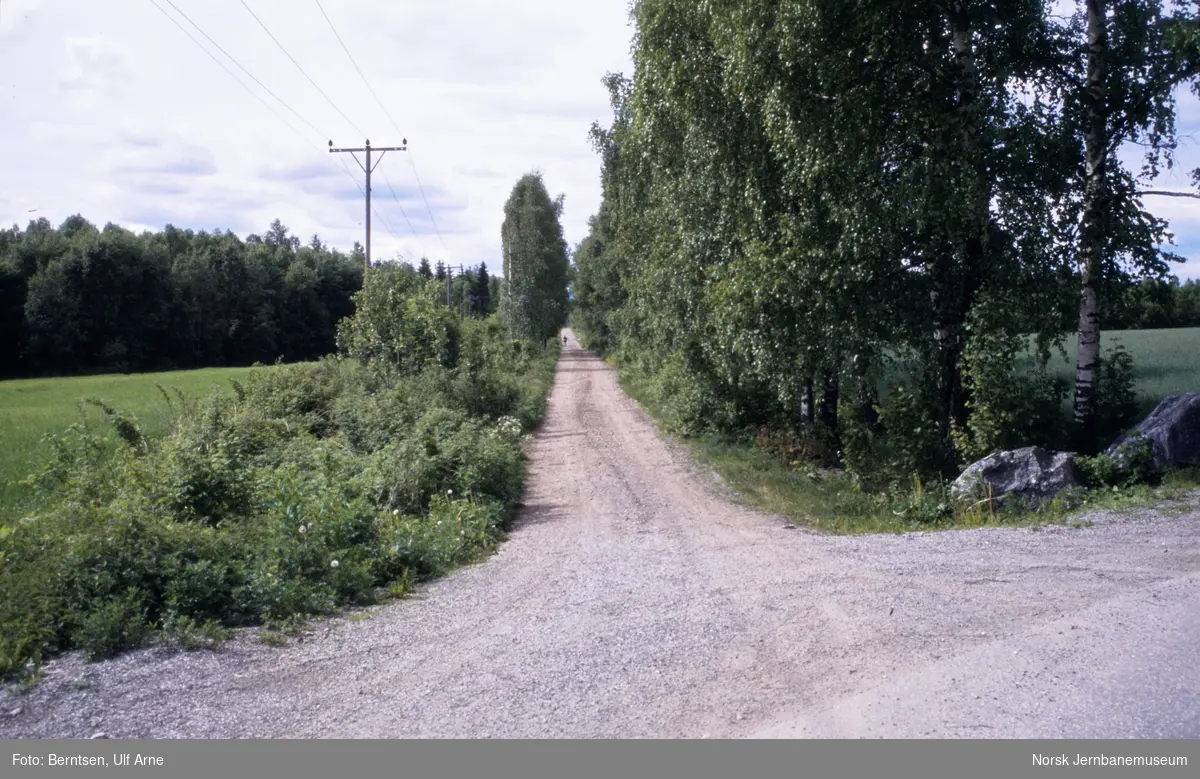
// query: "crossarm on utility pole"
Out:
[368,169]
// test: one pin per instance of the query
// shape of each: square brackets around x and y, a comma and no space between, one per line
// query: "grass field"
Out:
[1167,362]
[33,408]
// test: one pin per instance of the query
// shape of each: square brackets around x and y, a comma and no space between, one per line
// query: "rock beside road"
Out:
[1030,472]
[1173,430]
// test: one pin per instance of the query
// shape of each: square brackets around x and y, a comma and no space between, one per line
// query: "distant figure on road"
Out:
[564,339]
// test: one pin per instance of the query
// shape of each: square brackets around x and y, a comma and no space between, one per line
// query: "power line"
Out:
[368,169]
[297,64]
[316,86]
[351,56]
[232,75]
[421,189]
[235,62]
[412,162]
[254,94]
[399,205]
[386,224]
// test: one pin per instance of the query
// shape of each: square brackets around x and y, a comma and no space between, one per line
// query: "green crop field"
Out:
[1167,362]
[33,408]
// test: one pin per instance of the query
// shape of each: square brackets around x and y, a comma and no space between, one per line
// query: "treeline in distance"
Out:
[82,299]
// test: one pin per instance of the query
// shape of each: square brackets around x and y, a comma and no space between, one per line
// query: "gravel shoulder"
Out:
[633,601]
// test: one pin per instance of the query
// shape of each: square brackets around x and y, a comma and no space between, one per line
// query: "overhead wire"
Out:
[235,62]
[232,75]
[328,99]
[411,160]
[303,72]
[258,97]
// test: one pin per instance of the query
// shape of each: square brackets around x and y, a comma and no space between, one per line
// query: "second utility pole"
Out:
[368,168]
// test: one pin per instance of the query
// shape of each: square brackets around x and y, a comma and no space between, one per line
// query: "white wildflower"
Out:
[303,529]
[333,563]
[395,512]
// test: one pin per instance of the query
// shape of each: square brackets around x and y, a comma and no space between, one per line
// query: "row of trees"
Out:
[78,298]
[803,198]
[1153,304]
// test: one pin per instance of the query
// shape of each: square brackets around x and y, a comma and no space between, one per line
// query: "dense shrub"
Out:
[1011,407]
[307,488]
[1116,394]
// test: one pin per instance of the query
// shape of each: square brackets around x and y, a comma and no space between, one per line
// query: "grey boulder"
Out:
[1173,430]
[1031,472]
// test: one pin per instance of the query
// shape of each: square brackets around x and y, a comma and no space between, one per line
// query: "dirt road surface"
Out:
[632,600]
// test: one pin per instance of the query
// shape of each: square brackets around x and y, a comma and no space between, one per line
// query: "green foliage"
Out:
[1011,407]
[401,324]
[850,217]
[113,626]
[81,299]
[912,444]
[32,409]
[185,632]
[1116,393]
[310,488]
[535,261]
[1133,464]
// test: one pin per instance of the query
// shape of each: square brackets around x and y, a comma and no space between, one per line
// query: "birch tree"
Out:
[535,261]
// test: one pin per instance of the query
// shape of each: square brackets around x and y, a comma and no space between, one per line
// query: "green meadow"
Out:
[30,409]
[1167,362]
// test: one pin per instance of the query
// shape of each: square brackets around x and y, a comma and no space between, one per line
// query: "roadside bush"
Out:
[912,445]
[1131,465]
[1116,394]
[455,531]
[114,625]
[309,488]
[1010,407]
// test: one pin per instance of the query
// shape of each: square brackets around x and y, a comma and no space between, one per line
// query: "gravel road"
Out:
[633,600]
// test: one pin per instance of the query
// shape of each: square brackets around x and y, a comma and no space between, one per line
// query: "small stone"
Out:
[99,734]
[15,712]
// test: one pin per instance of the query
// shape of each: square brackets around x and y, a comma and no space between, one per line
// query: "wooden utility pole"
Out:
[368,169]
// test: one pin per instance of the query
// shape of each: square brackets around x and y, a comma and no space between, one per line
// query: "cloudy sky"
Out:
[111,110]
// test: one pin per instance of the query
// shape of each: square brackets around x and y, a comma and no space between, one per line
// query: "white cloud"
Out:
[120,117]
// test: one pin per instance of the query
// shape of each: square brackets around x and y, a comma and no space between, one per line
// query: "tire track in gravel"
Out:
[633,600]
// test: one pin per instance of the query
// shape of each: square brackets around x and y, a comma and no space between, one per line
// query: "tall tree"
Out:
[535,260]
[1125,94]
[424,269]
[481,292]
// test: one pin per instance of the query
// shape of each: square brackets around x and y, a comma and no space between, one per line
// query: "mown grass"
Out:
[832,501]
[33,408]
